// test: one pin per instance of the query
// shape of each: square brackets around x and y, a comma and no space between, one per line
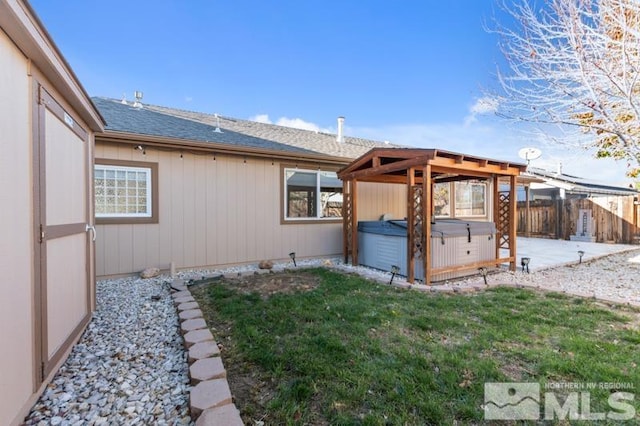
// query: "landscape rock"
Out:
[265,264]
[150,273]
[129,366]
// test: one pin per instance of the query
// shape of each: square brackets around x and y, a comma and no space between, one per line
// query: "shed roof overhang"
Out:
[391,165]
[20,22]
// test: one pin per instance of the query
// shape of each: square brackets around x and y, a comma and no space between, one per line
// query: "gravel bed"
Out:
[128,368]
[613,276]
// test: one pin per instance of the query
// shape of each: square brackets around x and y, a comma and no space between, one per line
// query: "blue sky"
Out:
[410,71]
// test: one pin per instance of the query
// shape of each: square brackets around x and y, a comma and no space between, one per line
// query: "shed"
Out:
[419,170]
[47,123]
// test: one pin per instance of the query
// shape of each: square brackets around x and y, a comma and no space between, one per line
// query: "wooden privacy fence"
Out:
[615,218]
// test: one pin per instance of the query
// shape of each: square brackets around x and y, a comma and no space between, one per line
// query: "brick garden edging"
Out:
[210,400]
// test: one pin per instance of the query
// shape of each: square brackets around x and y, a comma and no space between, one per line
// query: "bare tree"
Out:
[575,64]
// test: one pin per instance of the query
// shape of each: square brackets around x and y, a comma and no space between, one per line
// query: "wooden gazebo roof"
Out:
[390,165]
[420,169]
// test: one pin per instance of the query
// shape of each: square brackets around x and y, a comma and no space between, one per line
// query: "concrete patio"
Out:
[547,253]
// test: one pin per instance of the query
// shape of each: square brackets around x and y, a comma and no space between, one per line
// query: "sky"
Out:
[411,72]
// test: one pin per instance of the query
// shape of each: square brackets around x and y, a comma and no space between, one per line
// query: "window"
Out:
[125,192]
[441,200]
[470,199]
[312,194]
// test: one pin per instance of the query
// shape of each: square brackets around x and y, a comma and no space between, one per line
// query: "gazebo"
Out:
[420,170]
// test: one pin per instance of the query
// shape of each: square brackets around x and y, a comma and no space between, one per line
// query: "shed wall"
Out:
[16,251]
[218,212]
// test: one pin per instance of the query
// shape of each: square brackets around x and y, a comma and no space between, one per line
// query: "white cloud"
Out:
[482,106]
[261,118]
[188,99]
[297,123]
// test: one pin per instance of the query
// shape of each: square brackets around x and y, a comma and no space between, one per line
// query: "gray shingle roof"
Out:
[581,185]
[153,120]
[144,121]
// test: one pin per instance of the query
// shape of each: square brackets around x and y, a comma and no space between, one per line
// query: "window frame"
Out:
[284,220]
[117,220]
[471,184]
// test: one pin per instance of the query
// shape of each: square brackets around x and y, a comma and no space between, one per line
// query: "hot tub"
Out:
[454,242]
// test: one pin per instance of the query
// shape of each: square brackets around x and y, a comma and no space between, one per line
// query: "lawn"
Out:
[321,347]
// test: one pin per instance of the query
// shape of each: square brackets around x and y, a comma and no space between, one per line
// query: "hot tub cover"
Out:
[441,228]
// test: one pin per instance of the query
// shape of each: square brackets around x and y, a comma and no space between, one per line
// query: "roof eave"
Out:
[111,136]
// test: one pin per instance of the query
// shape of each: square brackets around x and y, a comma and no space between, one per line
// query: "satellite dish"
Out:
[529,154]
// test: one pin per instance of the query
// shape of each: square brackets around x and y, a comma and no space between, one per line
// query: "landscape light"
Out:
[394,270]
[525,263]
[580,254]
[292,255]
[483,272]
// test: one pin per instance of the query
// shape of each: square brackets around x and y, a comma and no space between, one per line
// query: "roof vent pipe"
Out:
[138,95]
[340,137]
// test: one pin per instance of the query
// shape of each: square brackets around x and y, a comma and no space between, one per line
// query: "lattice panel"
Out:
[503,219]
[418,216]
[347,211]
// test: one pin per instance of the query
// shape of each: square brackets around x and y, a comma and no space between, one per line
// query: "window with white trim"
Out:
[470,199]
[312,194]
[122,191]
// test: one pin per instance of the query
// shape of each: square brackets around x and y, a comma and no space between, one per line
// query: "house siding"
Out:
[214,213]
[16,252]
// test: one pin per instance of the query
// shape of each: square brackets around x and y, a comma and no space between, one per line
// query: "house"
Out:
[547,185]
[47,126]
[202,190]
[198,190]
[558,205]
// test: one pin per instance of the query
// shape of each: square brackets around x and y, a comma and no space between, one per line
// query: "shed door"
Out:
[62,156]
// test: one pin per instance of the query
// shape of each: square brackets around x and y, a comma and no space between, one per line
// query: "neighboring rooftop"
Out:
[153,120]
[577,184]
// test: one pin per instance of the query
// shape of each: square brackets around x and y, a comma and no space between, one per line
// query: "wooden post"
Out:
[346,220]
[427,213]
[354,223]
[410,220]
[513,221]
[527,212]
[496,212]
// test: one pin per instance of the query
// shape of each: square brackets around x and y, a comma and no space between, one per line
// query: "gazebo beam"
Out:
[387,168]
